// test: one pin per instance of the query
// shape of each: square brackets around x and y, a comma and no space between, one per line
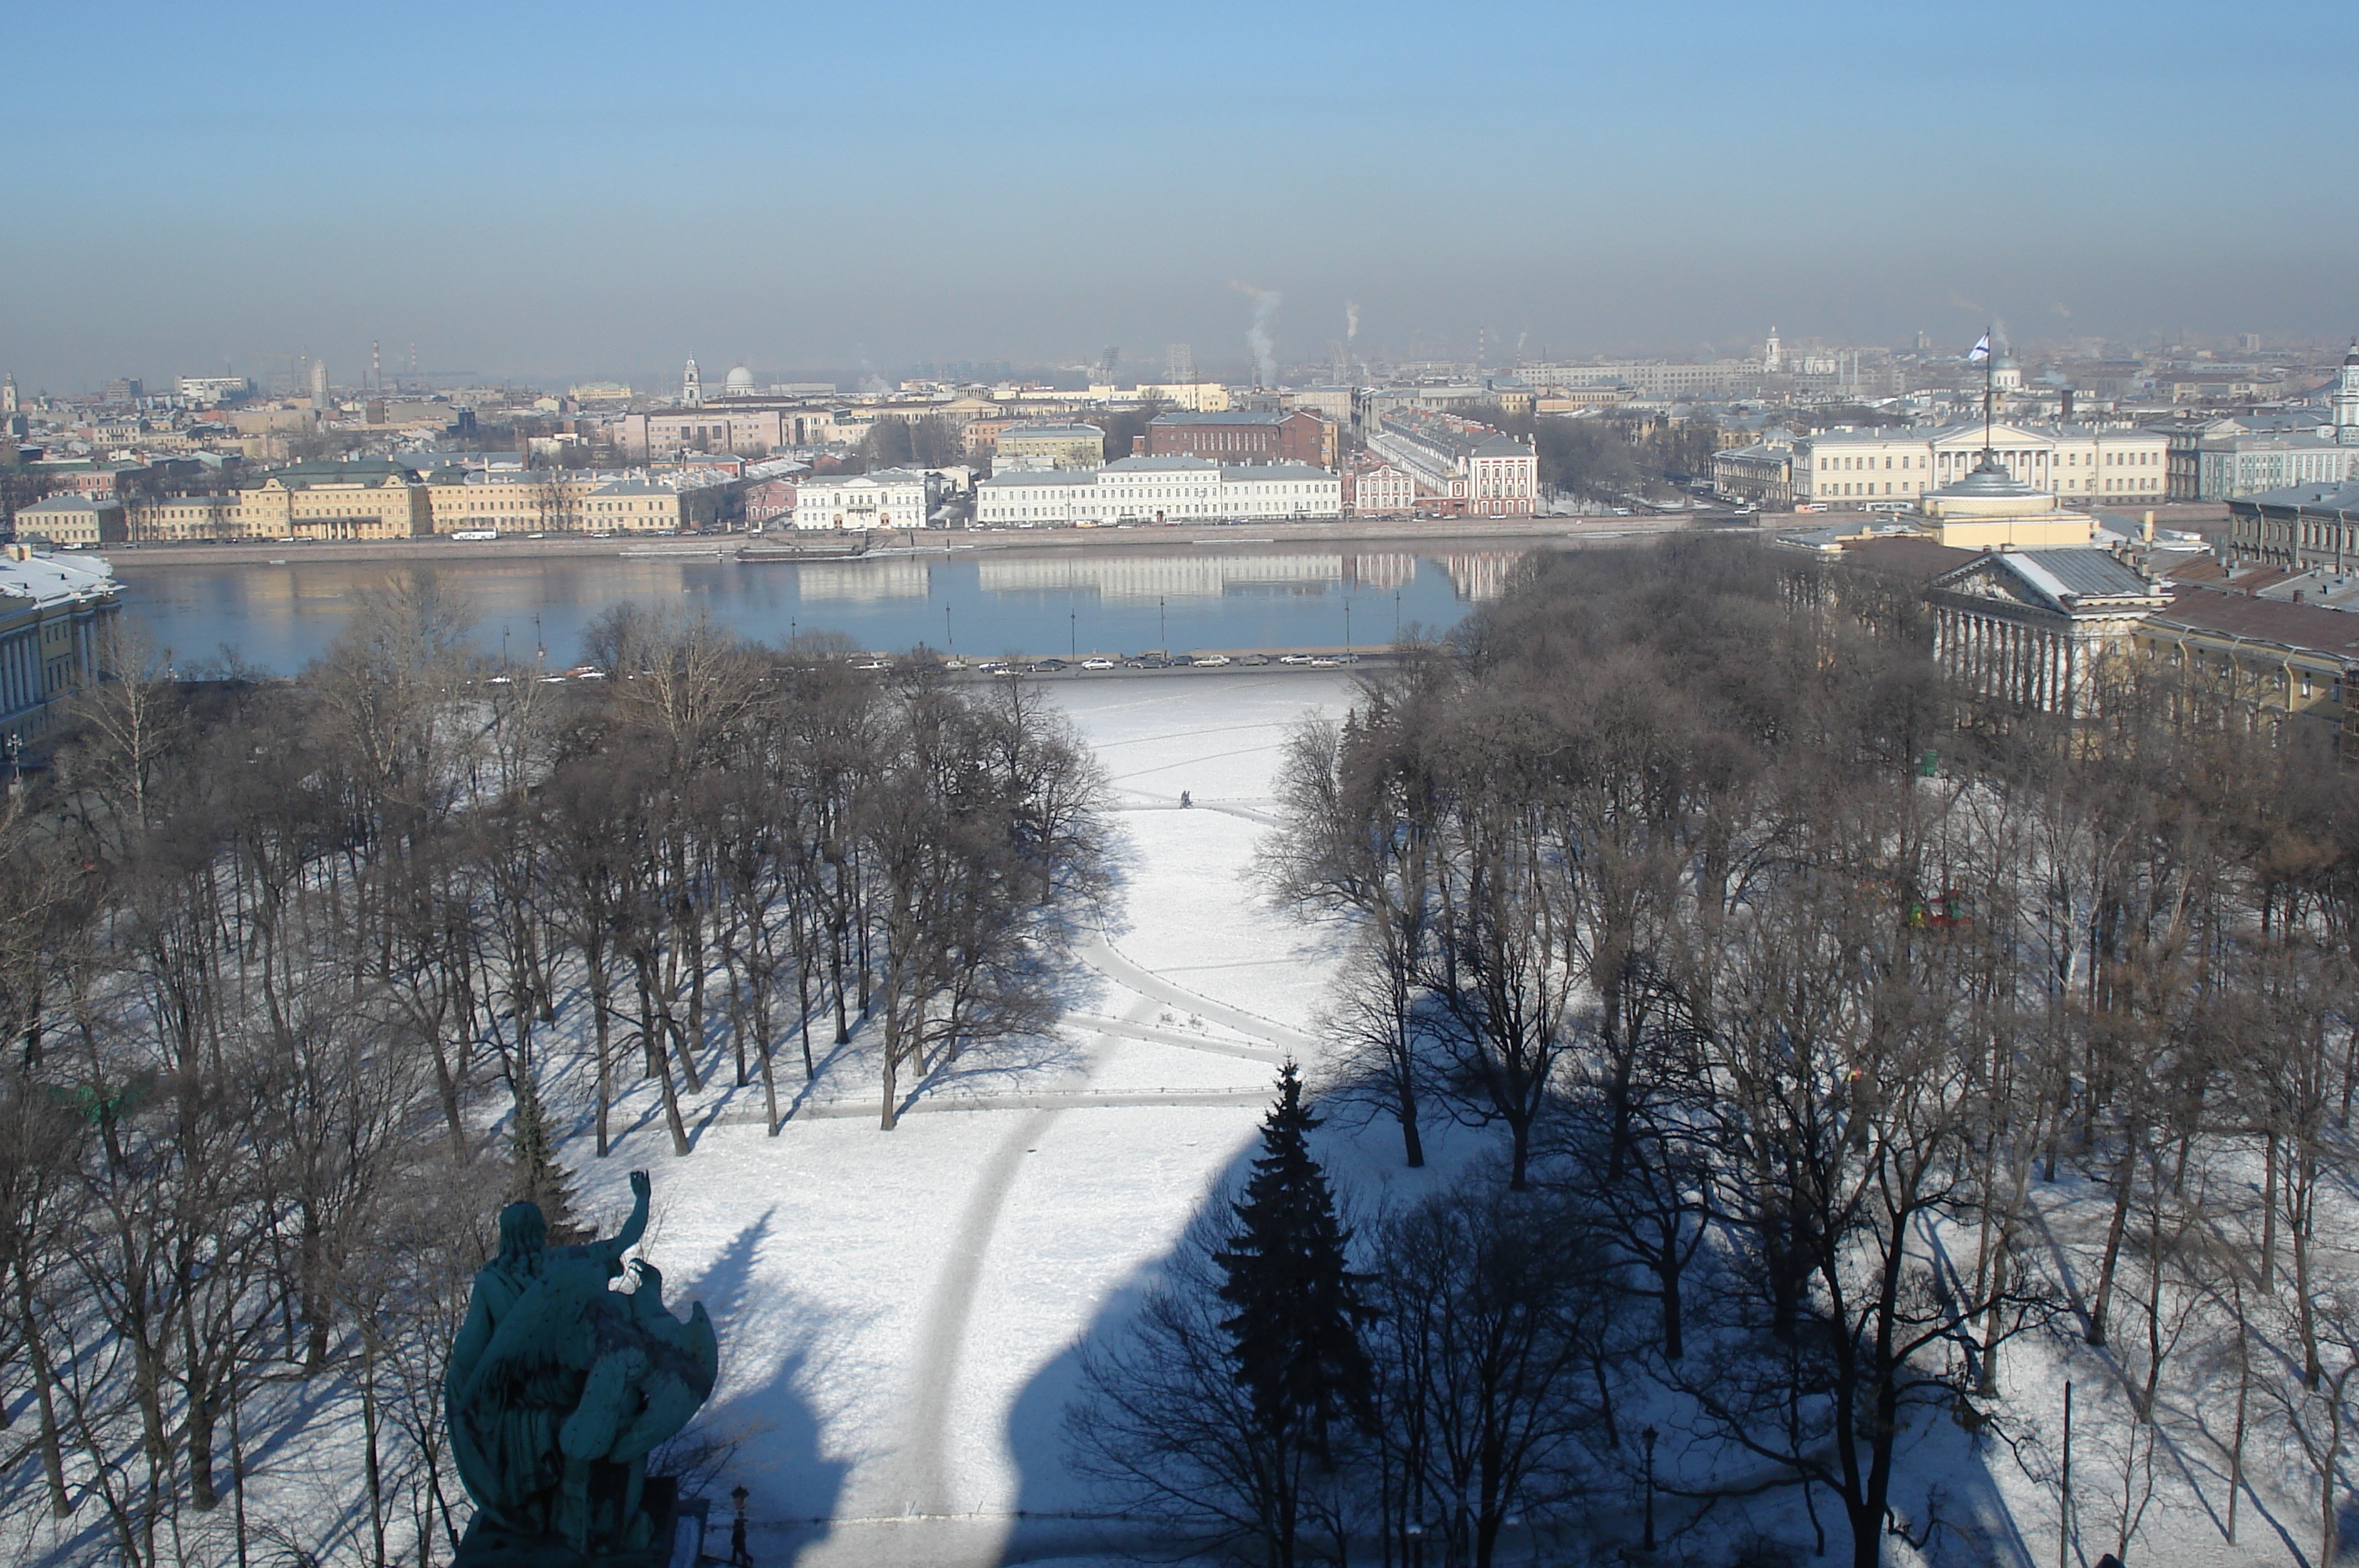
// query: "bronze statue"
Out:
[559,1386]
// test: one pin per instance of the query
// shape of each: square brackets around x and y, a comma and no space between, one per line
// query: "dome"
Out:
[741,380]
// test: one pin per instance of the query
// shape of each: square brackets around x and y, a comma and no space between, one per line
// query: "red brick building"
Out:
[771,501]
[1244,437]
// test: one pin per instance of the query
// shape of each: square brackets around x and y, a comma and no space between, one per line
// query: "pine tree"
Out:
[536,1175]
[1295,1336]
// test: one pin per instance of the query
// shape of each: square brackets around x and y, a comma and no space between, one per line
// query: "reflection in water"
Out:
[899,577]
[975,601]
[1203,575]
[1479,575]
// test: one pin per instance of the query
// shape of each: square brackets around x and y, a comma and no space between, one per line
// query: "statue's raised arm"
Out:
[611,1251]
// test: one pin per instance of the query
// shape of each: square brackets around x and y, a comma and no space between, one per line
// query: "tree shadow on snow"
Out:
[772,1350]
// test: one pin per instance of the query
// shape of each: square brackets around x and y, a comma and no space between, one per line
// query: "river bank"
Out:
[442,550]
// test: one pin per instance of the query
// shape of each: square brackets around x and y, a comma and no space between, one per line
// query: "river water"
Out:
[976,602]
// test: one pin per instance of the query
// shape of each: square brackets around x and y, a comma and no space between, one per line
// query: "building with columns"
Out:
[1889,468]
[53,612]
[2038,627]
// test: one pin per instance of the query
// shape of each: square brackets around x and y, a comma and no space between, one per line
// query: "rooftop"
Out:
[53,579]
[2331,632]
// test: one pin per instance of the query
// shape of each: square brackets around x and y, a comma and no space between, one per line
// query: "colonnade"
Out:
[2036,666]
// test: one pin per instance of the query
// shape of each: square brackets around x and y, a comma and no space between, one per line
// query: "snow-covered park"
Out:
[900,1314]
[898,1310]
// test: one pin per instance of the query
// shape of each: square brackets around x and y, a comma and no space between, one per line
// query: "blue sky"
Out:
[551,190]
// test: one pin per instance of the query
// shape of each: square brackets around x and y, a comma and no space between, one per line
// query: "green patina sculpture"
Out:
[559,1386]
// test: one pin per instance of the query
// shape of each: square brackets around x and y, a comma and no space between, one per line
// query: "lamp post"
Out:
[949,643]
[1347,623]
[1072,634]
[1162,643]
[739,1557]
[1648,1437]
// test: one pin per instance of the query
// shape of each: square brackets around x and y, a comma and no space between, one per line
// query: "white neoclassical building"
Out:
[889,499]
[2083,465]
[1158,490]
[2036,627]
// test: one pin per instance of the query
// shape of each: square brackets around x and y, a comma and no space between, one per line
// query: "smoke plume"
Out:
[1351,319]
[1257,338]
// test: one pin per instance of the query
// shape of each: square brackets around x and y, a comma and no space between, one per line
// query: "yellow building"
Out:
[2240,662]
[53,613]
[1990,509]
[367,498]
[1051,446]
[528,501]
[633,506]
[177,520]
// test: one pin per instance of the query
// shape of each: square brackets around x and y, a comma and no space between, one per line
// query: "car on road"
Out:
[1214,661]
[872,664]
[1324,662]
[1294,659]
[1098,663]
[1253,658]
[1181,660]
[1046,666]
[1147,661]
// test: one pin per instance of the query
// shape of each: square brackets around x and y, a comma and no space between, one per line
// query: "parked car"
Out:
[1097,664]
[1294,659]
[1046,666]
[872,664]
[1181,660]
[1214,661]
[1253,658]
[1324,662]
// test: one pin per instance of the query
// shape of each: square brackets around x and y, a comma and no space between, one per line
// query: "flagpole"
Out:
[1990,362]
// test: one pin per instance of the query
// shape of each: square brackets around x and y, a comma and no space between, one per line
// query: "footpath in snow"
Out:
[898,1310]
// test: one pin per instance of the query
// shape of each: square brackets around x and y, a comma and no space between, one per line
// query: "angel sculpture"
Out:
[559,1386]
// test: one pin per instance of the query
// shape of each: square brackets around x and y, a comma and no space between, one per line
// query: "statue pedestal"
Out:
[676,1541]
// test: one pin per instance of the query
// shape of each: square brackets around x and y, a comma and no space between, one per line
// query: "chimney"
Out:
[2067,409]
[2146,532]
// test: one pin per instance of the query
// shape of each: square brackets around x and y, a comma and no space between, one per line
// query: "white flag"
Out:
[1980,351]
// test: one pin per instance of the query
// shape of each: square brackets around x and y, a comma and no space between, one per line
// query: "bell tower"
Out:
[2342,403]
[692,388]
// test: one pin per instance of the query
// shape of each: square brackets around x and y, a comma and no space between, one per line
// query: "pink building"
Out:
[770,501]
[1375,488]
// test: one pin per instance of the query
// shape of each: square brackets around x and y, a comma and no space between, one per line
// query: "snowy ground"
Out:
[898,1310]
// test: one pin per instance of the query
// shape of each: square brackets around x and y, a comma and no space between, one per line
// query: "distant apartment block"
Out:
[1242,437]
[1159,490]
[210,388]
[719,428]
[1459,467]
[1049,447]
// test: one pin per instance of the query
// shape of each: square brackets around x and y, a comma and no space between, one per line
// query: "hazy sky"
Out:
[584,188]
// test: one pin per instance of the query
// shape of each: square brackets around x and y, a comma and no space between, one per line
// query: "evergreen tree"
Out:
[535,1174]
[1295,1335]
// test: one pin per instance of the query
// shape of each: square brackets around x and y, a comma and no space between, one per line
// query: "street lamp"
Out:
[1162,643]
[739,1556]
[1347,623]
[949,643]
[1648,1437]
[1072,634]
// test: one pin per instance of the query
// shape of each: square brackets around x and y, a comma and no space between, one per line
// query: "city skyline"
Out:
[524,194]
